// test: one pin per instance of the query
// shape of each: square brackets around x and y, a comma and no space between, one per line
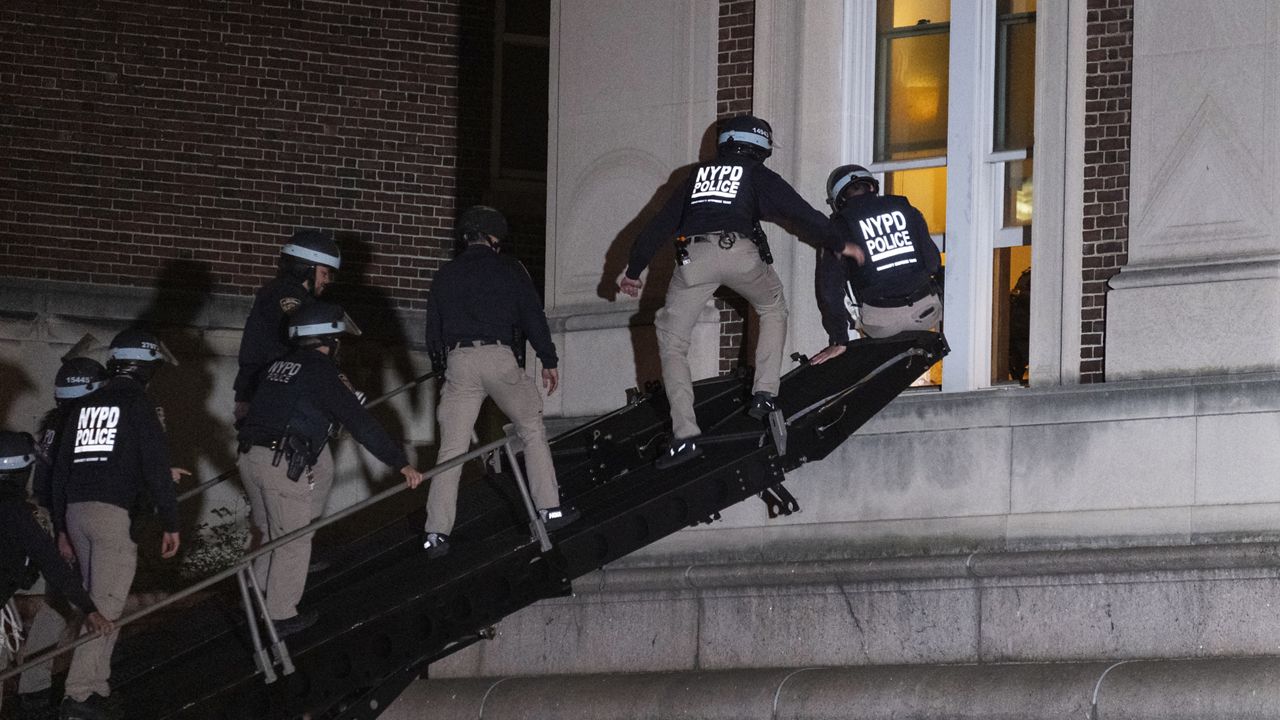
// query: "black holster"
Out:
[518,345]
[682,250]
[296,450]
[762,244]
[439,360]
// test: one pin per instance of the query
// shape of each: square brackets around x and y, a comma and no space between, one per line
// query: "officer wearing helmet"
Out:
[112,453]
[714,218]
[26,551]
[286,468]
[891,269]
[481,308]
[75,379]
[309,262]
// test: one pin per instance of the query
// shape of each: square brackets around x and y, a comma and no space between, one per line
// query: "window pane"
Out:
[528,17]
[1015,82]
[1013,7]
[1010,314]
[911,13]
[523,134]
[1017,193]
[927,191]
[914,95]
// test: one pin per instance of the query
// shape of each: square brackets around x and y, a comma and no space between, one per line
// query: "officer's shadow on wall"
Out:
[14,383]
[195,424]
[644,341]
[384,342]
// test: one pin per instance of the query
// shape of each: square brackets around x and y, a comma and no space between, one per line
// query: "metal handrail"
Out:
[200,488]
[248,559]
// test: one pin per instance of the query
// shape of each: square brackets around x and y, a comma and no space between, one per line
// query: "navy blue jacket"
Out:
[729,195]
[304,393]
[266,337]
[481,295]
[901,258]
[113,450]
[24,546]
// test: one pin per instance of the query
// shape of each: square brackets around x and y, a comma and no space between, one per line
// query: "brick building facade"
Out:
[1108,90]
[151,145]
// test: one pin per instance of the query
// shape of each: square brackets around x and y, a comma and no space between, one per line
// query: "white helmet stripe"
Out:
[313,255]
[746,137]
[72,392]
[128,353]
[318,329]
[15,462]
[850,177]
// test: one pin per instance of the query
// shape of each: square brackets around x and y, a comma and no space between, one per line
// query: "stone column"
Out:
[1200,293]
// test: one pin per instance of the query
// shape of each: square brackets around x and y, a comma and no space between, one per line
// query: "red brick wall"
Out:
[136,138]
[734,75]
[1108,91]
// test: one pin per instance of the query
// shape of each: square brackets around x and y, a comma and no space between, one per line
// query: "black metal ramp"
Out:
[386,612]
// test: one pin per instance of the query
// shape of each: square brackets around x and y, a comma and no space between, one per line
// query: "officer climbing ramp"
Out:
[386,611]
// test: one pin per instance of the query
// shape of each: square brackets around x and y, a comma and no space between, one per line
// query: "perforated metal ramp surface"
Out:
[386,611]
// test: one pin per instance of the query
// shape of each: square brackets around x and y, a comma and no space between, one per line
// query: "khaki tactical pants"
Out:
[47,630]
[108,557]
[692,285]
[471,375]
[883,322]
[277,507]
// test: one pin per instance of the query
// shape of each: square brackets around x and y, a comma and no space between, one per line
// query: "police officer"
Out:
[481,307]
[27,550]
[112,452]
[283,458]
[308,263]
[891,269]
[713,217]
[76,378]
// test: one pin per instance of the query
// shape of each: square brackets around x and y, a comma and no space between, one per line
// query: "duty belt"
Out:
[725,240]
[888,302]
[475,343]
[270,444]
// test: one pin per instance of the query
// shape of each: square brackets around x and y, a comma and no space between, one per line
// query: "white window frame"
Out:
[975,191]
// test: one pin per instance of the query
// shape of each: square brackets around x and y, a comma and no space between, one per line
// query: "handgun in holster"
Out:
[517,345]
[682,250]
[296,450]
[762,244]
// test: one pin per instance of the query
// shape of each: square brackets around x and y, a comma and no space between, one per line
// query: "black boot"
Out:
[761,405]
[679,452]
[94,707]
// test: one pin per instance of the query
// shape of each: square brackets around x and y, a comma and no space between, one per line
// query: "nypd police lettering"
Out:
[96,429]
[887,236]
[283,371]
[716,183]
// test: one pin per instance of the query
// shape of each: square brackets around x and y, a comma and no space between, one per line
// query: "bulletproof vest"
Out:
[721,197]
[885,229]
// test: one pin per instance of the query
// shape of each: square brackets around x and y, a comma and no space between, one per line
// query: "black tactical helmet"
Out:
[305,251]
[137,354]
[78,377]
[745,135]
[17,453]
[842,177]
[320,320]
[479,220]
[313,247]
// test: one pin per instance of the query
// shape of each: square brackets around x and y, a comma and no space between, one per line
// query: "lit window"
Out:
[917,58]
